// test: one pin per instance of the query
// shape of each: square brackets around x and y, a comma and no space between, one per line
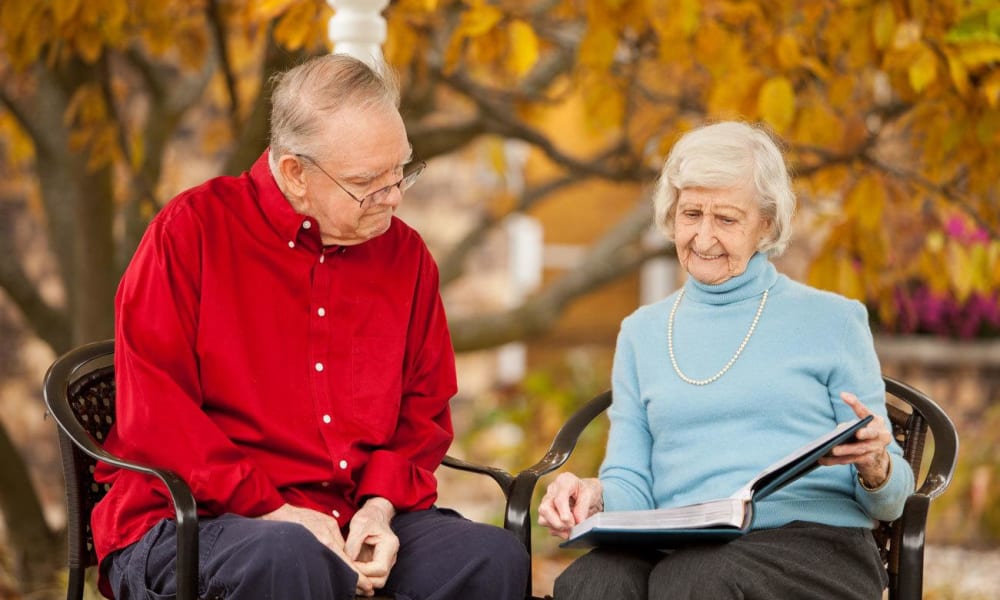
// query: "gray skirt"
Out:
[799,561]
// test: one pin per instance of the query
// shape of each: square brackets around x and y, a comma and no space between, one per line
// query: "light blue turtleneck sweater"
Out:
[673,443]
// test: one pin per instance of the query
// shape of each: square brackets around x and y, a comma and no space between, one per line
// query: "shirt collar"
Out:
[290,226]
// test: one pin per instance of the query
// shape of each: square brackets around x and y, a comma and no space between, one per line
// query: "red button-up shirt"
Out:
[265,368]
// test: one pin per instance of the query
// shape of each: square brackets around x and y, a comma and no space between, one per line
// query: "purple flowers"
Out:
[921,308]
[957,229]
[924,311]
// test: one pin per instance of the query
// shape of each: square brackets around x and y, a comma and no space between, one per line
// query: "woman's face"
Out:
[717,231]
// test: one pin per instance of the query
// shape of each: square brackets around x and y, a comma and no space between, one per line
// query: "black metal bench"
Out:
[79,392]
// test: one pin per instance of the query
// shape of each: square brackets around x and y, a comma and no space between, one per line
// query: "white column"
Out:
[525,240]
[358,28]
[657,276]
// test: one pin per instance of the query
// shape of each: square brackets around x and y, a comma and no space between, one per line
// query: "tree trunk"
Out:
[38,552]
[91,275]
[252,139]
[79,210]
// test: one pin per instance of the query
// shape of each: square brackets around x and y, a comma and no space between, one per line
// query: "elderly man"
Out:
[281,336]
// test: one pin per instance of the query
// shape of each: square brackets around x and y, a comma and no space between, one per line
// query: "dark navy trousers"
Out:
[442,556]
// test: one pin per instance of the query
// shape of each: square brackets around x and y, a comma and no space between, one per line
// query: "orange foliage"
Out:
[891,106]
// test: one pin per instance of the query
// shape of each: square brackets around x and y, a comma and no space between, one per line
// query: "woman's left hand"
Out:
[868,453]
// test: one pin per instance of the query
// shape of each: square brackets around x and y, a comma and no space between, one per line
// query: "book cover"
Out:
[716,520]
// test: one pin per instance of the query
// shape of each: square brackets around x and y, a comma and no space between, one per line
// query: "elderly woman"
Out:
[721,379]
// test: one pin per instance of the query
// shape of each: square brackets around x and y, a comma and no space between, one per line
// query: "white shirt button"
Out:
[322,258]
[291,244]
[319,366]
[321,311]
[325,484]
[306,224]
[326,418]
[335,513]
[343,464]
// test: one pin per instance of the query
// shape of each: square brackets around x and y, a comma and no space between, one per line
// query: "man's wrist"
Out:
[380,505]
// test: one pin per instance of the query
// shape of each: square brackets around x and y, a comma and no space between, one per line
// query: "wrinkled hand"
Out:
[371,544]
[327,531]
[868,453]
[569,500]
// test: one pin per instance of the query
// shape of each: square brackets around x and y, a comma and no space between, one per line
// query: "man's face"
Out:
[367,150]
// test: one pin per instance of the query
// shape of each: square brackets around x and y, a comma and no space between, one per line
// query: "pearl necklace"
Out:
[670,342]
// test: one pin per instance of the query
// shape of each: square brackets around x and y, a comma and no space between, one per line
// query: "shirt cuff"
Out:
[391,476]
[252,496]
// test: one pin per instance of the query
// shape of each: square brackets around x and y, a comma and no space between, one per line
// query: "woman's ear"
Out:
[767,233]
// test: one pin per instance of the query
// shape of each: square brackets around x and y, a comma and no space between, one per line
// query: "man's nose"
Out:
[393,197]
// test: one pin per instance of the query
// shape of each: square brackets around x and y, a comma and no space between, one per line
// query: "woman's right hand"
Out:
[569,500]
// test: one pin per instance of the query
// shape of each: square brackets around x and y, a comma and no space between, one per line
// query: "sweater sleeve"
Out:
[626,473]
[859,372]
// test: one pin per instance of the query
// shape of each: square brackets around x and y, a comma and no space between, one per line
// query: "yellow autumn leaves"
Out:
[485,35]
[60,27]
[897,98]
[889,106]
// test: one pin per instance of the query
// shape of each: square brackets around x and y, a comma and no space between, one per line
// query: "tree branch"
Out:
[139,185]
[865,154]
[451,266]
[171,94]
[20,115]
[218,27]
[946,191]
[36,547]
[499,118]
[252,136]
[617,254]
[49,323]
[434,140]
[826,157]
[167,84]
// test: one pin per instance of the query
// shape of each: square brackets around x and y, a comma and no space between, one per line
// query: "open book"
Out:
[715,520]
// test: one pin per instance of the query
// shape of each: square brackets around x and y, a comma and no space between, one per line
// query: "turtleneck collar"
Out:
[759,275]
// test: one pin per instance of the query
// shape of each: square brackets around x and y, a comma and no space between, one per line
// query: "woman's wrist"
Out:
[873,486]
[597,492]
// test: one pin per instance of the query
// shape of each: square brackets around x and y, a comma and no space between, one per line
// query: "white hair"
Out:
[724,155]
[305,96]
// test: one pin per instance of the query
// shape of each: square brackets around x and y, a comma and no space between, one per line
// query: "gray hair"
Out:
[308,94]
[724,155]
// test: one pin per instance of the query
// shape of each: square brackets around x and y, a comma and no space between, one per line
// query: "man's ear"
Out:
[293,175]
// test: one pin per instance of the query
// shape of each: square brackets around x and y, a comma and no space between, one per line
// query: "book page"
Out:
[724,518]
[717,513]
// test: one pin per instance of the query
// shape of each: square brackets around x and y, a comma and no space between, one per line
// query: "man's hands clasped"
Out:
[371,544]
[370,548]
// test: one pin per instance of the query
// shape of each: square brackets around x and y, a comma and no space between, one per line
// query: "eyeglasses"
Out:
[410,174]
